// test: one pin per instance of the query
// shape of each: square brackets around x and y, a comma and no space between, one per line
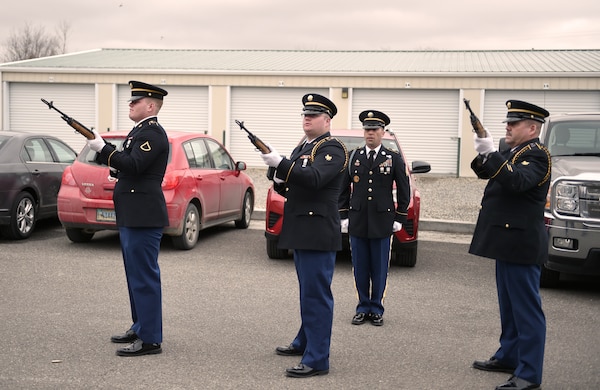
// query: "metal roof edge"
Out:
[45,58]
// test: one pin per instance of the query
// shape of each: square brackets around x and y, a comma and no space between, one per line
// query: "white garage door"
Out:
[184,109]
[272,114]
[556,102]
[27,112]
[425,122]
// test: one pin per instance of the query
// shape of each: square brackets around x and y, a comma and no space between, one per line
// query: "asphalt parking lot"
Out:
[226,307]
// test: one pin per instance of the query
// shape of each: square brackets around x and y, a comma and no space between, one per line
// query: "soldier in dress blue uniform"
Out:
[510,229]
[368,213]
[312,178]
[141,213]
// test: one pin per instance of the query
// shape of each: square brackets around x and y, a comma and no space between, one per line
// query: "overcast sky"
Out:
[312,24]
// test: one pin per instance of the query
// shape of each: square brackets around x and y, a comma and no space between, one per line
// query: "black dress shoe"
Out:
[376,319]
[288,351]
[127,337]
[139,348]
[360,318]
[492,365]
[302,371]
[515,383]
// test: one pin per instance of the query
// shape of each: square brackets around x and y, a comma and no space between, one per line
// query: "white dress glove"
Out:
[278,180]
[397,226]
[97,143]
[273,158]
[344,225]
[484,146]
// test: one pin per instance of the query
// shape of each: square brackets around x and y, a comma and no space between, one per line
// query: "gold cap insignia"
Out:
[328,157]
[525,163]
[310,98]
[146,146]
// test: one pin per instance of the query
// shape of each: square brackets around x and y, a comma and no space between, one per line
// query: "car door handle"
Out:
[36,172]
[199,177]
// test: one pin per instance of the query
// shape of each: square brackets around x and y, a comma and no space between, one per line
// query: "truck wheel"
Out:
[549,278]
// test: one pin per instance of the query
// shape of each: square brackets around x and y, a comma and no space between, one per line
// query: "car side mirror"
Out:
[420,167]
[240,166]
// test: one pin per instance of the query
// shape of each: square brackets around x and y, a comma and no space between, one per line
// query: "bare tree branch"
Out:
[33,42]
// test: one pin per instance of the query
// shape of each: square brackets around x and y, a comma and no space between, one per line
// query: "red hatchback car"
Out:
[203,187]
[404,245]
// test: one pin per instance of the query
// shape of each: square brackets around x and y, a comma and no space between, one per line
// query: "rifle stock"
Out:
[475,122]
[264,149]
[81,129]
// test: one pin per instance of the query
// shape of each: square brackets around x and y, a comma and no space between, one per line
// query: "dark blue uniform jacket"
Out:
[511,226]
[138,197]
[369,204]
[313,177]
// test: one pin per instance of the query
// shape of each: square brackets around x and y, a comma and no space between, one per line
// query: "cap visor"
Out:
[312,112]
[509,120]
[134,98]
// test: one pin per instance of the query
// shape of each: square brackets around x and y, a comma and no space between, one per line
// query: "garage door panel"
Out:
[272,114]
[185,109]
[425,122]
[555,102]
[27,113]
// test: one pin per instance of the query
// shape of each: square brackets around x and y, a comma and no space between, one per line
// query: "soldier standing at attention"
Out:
[510,229]
[368,214]
[141,213]
[312,177]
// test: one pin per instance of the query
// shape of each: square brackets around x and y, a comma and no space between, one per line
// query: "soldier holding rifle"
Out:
[312,177]
[141,213]
[510,229]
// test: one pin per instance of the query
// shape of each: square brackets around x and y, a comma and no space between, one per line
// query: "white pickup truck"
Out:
[573,209]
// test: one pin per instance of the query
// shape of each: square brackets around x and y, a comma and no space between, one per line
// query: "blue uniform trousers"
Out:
[140,247]
[523,322]
[315,273]
[371,260]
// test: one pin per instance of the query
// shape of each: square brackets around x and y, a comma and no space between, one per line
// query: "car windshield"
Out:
[575,138]
[3,139]
[353,142]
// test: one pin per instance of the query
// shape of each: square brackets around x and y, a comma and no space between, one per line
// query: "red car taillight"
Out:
[67,178]
[171,181]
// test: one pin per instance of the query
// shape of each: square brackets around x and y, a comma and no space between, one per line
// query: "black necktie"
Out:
[371,157]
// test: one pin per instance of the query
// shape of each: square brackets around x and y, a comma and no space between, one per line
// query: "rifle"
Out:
[264,149]
[477,126]
[81,129]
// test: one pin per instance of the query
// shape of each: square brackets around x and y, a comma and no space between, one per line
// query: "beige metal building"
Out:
[421,91]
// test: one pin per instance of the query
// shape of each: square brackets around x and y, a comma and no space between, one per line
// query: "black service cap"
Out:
[141,90]
[318,104]
[372,119]
[519,110]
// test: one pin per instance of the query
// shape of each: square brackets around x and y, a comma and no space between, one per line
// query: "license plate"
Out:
[105,215]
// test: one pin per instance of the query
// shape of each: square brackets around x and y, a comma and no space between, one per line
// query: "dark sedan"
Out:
[31,168]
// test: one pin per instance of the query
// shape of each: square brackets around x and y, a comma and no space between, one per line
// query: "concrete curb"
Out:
[433,225]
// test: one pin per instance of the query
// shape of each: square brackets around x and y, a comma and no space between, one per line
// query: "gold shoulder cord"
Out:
[541,147]
[314,150]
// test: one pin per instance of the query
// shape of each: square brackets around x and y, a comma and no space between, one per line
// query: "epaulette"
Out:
[326,139]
